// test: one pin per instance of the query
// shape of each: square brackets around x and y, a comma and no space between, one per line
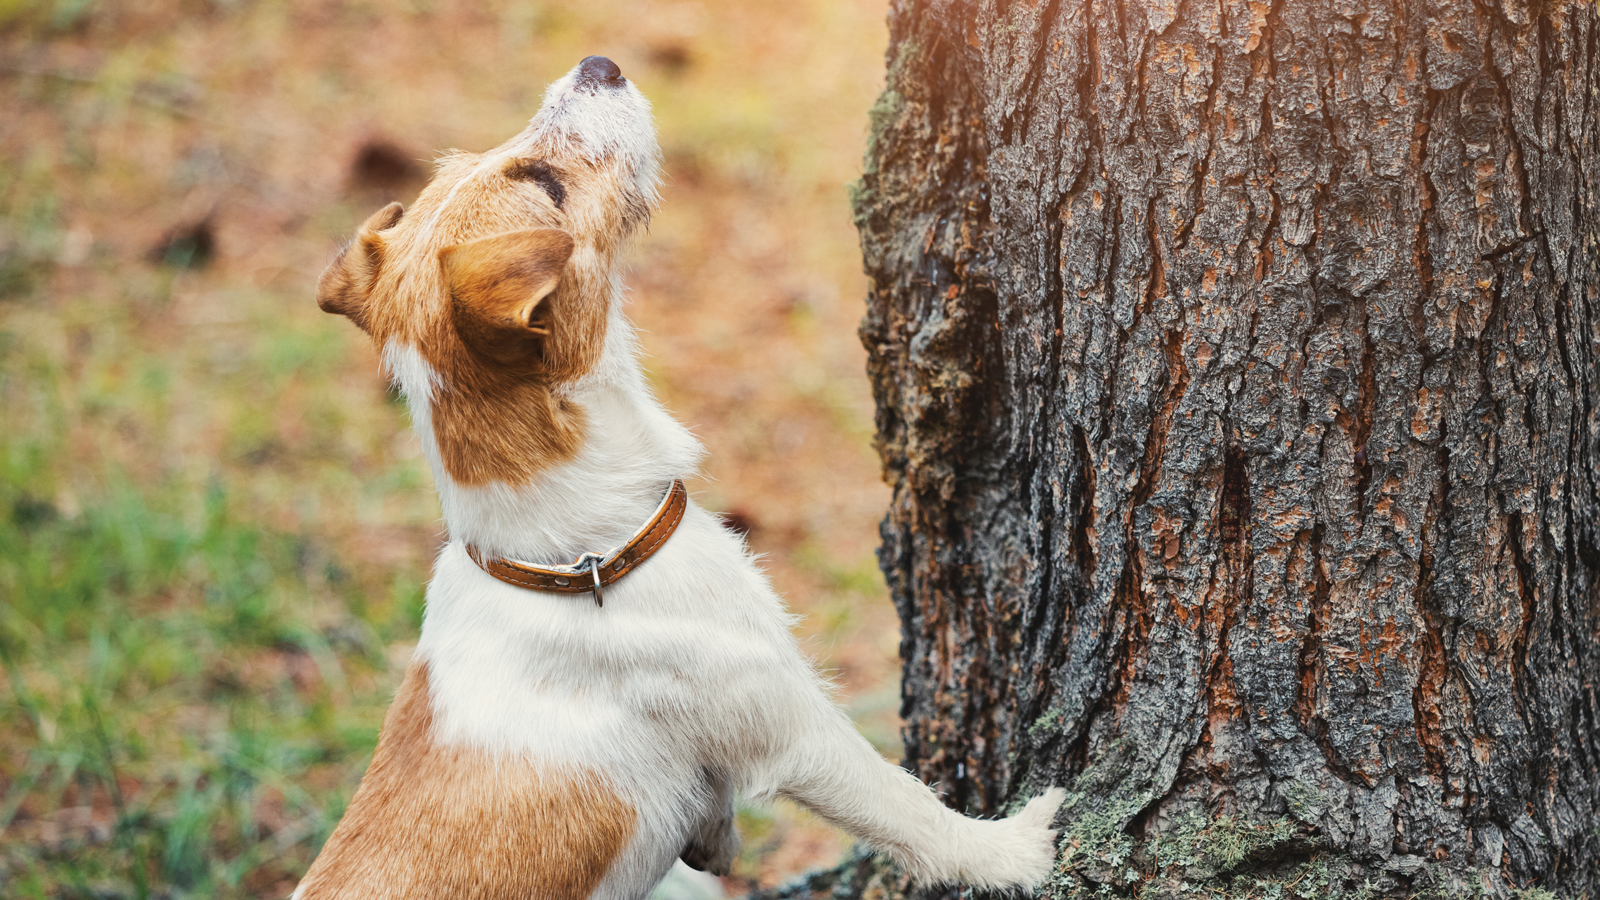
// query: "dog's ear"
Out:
[497,289]
[345,284]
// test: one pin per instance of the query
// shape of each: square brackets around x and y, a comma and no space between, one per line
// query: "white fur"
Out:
[688,684]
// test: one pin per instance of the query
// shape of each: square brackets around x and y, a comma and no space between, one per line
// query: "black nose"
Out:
[600,70]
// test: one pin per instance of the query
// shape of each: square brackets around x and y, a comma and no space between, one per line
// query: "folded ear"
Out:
[497,287]
[345,284]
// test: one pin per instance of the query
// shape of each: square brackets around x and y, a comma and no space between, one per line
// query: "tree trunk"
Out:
[1236,372]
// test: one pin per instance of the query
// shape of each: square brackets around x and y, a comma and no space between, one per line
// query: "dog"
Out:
[570,730]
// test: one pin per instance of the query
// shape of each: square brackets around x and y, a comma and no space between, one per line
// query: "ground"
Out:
[214,521]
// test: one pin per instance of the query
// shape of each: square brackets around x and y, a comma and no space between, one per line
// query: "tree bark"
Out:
[1236,369]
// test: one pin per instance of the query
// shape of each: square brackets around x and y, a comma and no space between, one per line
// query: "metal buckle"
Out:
[593,560]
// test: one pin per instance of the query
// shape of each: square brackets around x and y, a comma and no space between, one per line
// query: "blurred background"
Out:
[215,524]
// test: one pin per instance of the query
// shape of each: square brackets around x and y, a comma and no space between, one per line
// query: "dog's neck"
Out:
[632,450]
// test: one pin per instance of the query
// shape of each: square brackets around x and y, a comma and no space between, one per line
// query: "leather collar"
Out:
[595,571]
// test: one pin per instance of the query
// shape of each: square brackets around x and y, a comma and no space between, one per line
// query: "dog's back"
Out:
[436,821]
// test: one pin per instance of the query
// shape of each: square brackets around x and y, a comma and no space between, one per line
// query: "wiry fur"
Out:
[687,685]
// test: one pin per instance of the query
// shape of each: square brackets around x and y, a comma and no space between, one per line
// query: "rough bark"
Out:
[1236,370]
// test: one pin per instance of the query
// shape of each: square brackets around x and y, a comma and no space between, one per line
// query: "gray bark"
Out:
[1235,366]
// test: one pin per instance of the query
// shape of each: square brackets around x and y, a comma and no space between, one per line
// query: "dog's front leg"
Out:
[831,769]
[715,842]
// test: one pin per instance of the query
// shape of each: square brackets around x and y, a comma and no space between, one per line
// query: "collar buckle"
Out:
[593,562]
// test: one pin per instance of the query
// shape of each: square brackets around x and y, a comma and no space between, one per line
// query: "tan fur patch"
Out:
[503,429]
[447,823]
[499,421]
[495,419]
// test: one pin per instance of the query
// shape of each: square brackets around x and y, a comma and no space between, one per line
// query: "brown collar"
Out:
[594,571]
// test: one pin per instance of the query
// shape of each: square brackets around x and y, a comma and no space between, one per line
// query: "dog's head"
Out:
[504,275]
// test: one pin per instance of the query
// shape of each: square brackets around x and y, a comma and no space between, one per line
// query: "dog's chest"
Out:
[555,677]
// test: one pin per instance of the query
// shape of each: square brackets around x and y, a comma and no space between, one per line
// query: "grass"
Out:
[193,691]
[215,525]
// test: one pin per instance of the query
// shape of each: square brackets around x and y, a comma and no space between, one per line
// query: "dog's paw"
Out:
[1038,837]
[1021,852]
[1041,810]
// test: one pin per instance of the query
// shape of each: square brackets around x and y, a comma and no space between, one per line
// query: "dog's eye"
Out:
[540,173]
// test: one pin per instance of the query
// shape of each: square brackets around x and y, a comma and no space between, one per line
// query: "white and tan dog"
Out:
[544,745]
